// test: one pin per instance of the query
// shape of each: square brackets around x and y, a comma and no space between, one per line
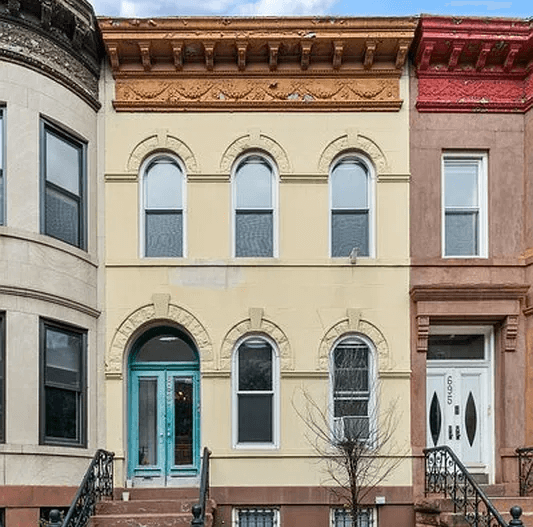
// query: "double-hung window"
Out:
[464,205]
[2,167]
[352,405]
[63,385]
[63,168]
[254,212]
[163,196]
[351,210]
[255,380]
[343,518]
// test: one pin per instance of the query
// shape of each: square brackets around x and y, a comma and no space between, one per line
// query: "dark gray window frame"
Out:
[81,418]
[48,127]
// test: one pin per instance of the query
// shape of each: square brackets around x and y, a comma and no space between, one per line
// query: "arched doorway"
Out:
[164,408]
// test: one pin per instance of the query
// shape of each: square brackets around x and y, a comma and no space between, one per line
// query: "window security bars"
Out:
[343,518]
[257,518]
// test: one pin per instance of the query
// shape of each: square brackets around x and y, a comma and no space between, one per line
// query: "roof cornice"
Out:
[172,64]
[474,64]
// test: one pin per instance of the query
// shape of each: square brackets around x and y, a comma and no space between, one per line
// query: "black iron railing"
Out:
[199,509]
[525,470]
[446,475]
[97,482]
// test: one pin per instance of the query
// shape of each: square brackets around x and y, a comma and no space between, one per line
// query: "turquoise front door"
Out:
[164,445]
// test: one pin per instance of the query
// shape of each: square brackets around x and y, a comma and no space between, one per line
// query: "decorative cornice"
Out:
[205,64]
[469,292]
[58,38]
[474,64]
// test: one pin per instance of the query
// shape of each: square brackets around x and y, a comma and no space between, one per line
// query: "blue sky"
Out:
[148,8]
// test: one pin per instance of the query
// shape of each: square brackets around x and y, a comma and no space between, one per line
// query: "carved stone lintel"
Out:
[483,54]
[401,55]
[46,14]
[144,48]
[273,49]
[422,325]
[354,316]
[511,57]
[306,46]
[426,55]
[177,52]
[457,49]
[370,49]
[14,7]
[161,302]
[338,49]
[256,318]
[242,48]
[510,332]
[209,51]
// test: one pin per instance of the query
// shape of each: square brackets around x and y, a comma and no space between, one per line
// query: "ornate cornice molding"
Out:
[469,292]
[58,38]
[474,64]
[206,64]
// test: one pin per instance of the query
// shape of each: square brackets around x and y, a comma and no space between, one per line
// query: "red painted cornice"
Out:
[474,64]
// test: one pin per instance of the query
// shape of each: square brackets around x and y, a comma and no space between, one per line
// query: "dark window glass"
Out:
[63,381]
[257,518]
[350,208]
[351,389]
[63,169]
[254,212]
[461,233]
[343,518]
[2,170]
[165,345]
[456,347]
[163,207]
[2,381]
[255,391]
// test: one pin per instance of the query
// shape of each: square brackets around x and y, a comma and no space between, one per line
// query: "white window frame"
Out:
[482,160]
[371,189]
[275,203]
[235,514]
[372,383]
[142,210]
[372,509]
[275,398]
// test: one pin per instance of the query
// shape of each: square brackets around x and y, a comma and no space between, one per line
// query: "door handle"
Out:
[457,432]
[450,432]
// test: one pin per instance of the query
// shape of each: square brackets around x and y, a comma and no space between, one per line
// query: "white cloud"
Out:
[147,8]
[490,5]
[286,7]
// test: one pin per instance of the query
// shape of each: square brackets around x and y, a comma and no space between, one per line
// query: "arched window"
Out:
[351,207]
[255,387]
[254,196]
[163,200]
[352,387]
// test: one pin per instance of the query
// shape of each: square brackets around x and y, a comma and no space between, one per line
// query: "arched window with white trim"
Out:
[254,207]
[353,389]
[163,199]
[351,195]
[255,393]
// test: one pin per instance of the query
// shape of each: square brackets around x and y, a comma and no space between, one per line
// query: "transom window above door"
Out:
[163,199]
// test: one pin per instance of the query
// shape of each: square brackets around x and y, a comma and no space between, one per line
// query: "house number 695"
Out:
[449,389]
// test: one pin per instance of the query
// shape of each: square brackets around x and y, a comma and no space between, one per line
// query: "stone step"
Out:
[138,520]
[505,503]
[156,493]
[139,506]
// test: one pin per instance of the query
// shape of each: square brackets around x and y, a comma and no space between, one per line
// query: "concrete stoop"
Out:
[150,508]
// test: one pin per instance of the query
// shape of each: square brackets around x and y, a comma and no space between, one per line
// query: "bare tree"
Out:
[353,435]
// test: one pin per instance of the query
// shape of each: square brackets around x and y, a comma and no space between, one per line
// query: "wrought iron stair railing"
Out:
[446,475]
[199,509]
[525,470]
[97,483]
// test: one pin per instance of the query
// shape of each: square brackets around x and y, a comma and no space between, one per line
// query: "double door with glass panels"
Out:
[164,425]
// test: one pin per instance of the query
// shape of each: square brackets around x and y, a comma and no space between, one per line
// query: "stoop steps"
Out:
[150,507]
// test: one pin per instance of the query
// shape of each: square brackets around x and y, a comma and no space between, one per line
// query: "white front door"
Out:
[459,396]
